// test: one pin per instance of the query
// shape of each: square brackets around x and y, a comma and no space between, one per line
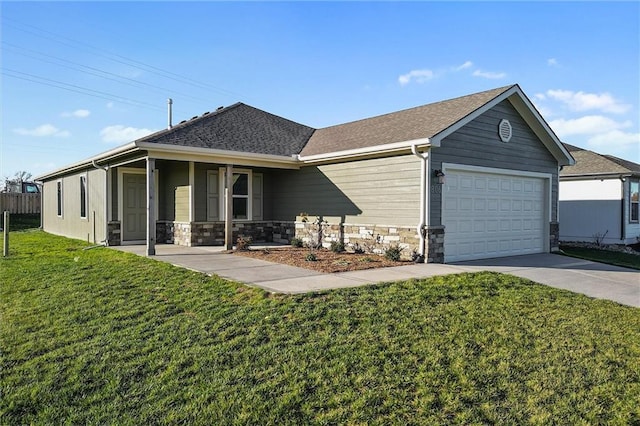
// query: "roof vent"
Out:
[219,108]
[505,131]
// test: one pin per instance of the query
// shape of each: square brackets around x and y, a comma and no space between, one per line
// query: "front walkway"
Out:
[597,280]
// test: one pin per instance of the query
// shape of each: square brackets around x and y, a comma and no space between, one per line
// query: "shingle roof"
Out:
[592,163]
[415,123]
[240,128]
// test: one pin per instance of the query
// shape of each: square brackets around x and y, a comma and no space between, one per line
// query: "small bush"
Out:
[337,246]
[358,249]
[393,253]
[243,243]
[296,242]
[311,257]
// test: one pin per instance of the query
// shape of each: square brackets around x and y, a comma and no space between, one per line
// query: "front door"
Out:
[134,212]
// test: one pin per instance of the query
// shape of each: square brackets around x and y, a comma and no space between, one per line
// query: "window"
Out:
[633,200]
[241,196]
[247,196]
[59,197]
[83,197]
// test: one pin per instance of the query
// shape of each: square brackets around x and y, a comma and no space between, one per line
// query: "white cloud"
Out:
[464,66]
[614,138]
[540,96]
[121,134]
[43,131]
[489,74]
[553,62]
[79,113]
[419,76]
[581,101]
[587,125]
[110,105]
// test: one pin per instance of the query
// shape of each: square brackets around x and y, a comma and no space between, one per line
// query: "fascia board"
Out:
[100,158]
[367,151]
[187,153]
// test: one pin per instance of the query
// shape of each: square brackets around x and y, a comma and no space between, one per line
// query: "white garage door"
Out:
[489,214]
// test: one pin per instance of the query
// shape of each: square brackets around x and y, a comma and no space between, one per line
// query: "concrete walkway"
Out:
[593,279]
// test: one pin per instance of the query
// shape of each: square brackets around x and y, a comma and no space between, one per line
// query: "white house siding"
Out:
[631,229]
[381,191]
[70,224]
[591,210]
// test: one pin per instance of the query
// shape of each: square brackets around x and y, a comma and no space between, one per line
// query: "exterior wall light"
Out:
[440,176]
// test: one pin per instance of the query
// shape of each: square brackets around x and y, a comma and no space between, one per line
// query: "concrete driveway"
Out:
[593,279]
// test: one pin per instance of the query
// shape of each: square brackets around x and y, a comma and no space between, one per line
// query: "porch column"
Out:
[151,211]
[228,213]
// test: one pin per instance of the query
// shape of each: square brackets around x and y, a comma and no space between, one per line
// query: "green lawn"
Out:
[103,337]
[605,256]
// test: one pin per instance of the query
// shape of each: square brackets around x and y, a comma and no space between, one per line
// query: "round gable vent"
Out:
[504,130]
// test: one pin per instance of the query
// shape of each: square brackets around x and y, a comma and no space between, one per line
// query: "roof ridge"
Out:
[500,89]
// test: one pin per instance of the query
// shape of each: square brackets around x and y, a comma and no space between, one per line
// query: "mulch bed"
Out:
[327,261]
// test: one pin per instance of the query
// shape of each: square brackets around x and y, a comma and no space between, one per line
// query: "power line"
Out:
[95,71]
[119,58]
[74,88]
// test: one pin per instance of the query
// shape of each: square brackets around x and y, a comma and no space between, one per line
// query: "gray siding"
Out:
[478,144]
[70,224]
[583,220]
[382,191]
[173,193]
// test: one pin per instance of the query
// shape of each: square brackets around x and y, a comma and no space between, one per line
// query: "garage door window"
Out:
[634,201]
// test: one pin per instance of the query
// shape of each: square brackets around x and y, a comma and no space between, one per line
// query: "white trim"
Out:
[547,177]
[84,175]
[221,156]
[60,200]
[86,163]
[376,149]
[223,196]
[191,191]
[134,171]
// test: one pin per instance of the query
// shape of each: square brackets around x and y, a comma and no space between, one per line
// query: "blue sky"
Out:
[80,78]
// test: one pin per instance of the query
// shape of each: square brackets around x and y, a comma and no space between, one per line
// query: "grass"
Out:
[604,256]
[103,337]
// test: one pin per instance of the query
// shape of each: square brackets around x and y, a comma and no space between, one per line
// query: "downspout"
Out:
[623,223]
[106,203]
[424,199]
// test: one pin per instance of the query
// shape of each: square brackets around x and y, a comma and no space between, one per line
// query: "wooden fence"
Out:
[16,203]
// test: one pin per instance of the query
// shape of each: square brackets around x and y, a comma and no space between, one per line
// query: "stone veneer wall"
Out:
[375,238]
[212,233]
[113,233]
[554,236]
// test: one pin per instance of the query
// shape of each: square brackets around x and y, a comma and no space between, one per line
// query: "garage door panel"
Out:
[492,215]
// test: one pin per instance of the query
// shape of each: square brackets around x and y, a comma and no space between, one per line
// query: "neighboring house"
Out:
[599,199]
[467,178]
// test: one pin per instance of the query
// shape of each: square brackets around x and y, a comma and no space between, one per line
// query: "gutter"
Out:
[104,242]
[369,150]
[425,183]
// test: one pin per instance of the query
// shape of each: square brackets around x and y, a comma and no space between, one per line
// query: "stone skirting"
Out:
[113,233]
[371,238]
[212,233]
[554,236]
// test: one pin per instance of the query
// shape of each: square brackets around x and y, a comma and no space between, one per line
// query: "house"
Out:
[599,199]
[466,178]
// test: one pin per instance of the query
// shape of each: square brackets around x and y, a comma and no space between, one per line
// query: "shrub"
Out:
[311,257]
[337,246]
[358,249]
[393,253]
[296,242]
[243,243]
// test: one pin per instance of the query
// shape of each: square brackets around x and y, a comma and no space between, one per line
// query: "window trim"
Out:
[59,198]
[84,204]
[223,195]
[632,202]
